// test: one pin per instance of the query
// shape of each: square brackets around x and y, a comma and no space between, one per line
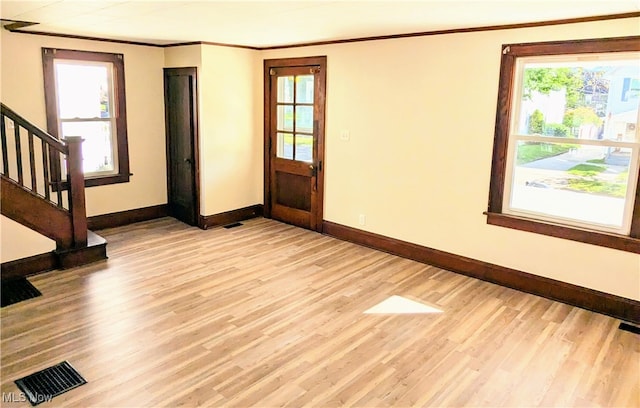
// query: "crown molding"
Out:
[18,27]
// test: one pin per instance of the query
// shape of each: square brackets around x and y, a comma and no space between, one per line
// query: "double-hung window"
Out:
[84,94]
[566,153]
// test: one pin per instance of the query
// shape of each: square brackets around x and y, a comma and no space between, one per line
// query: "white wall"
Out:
[17,241]
[231,149]
[230,146]
[421,113]
[23,91]
[183,56]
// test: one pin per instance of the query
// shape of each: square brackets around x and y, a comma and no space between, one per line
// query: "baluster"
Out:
[45,166]
[58,181]
[32,164]
[16,132]
[5,158]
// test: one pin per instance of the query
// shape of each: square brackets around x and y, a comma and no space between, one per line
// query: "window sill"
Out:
[96,181]
[620,242]
[104,180]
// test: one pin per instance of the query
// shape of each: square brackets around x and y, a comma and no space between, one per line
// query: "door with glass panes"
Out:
[294,140]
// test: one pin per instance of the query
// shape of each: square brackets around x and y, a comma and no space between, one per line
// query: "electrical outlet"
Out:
[362,219]
[345,135]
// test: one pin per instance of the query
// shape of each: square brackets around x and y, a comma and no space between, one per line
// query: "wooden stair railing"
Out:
[31,163]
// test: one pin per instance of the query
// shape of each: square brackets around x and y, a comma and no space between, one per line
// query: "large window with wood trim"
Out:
[566,153]
[85,96]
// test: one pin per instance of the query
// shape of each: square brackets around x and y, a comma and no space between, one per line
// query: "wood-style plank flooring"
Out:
[272,315]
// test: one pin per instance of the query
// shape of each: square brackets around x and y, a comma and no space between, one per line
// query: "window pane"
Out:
[575,182]
[304,119]
[304,89]
[285,117]
[583,99]
[285,145]
[285,89]
[97,152]
[83,90]
[304,148]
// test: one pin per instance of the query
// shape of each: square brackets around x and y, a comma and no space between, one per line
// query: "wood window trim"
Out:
[51,104]
[495,216]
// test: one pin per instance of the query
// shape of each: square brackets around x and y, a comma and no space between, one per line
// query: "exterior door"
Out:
[294,140]
[180,101]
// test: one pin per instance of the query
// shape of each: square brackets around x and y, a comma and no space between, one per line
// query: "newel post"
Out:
[77,205]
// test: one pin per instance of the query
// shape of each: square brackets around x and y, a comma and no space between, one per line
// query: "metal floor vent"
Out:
[630,328]
[50,382]
[235,224]
[17,290]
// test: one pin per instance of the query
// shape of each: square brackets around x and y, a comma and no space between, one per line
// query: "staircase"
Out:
[42,188]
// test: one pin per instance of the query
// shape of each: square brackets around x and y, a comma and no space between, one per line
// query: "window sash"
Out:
[113,139]
[632,185]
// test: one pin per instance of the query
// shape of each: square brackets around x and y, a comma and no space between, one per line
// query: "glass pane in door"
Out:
[304,119]
[285,89]
[285,146]
[304,89]
[285,117]
[304,148]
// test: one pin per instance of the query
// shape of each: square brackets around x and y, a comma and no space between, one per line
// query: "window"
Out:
[84,95]
[295,117]
[566,151]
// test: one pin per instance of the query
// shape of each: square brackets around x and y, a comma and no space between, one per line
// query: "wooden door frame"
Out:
[195,137]
[322,77]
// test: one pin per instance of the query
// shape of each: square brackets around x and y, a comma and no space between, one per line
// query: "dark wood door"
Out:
[180,97]
[294,140]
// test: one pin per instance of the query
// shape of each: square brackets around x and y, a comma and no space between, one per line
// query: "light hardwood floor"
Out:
[272,315]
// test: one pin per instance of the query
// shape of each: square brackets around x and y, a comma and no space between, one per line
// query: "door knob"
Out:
[311,167]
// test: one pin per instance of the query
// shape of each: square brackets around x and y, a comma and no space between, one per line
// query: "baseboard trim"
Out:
[228,217]
[29,266]
[96,250]
[596,301]
[120,218]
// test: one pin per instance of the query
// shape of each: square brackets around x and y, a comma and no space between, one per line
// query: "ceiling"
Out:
[276,23]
